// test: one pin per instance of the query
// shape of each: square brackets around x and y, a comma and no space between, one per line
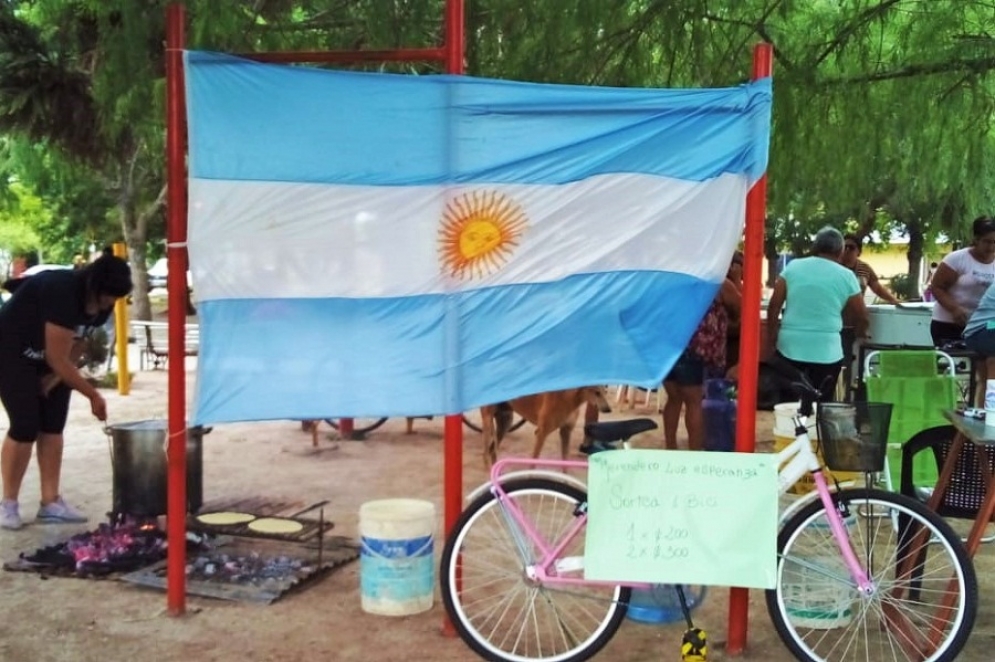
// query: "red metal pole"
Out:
[176,237]
[453,469]
[749,348]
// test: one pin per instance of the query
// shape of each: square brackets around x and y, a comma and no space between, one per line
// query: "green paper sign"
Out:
[682,517]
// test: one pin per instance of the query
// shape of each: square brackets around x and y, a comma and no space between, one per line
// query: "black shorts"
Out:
[29,412]
[944,332]
[688,371]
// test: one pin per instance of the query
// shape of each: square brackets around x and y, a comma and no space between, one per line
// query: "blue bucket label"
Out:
[397,570]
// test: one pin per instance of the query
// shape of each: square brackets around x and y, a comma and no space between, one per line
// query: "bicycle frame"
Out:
[796,460]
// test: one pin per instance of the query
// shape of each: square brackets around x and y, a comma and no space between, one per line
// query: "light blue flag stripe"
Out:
[252,121]
[315,358]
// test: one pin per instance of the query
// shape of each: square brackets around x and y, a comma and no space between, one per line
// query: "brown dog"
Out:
[547,411]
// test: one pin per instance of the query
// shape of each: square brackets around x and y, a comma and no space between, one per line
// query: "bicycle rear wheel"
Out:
[472,421]
[925,601]
[499,612]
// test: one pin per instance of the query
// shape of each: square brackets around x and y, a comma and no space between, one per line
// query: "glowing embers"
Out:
[253,570]
[119,546]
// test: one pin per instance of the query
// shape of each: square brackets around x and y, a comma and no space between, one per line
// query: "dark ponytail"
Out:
[109,275]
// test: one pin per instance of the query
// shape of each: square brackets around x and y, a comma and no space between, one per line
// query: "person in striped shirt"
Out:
[852,248]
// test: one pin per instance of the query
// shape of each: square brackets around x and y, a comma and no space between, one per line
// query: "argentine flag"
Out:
[368,244]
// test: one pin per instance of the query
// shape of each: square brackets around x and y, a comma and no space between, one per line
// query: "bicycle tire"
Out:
[486,593]
[360,426]
[819,613]
[473,425]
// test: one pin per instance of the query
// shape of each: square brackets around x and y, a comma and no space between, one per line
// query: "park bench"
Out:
[153,341]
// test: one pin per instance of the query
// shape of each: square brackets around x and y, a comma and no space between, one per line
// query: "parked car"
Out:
[159,273]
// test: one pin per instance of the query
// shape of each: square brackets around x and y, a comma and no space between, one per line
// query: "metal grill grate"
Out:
[263,507]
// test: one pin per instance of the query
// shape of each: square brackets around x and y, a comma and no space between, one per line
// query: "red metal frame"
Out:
[749,348]
[453,429]
[176,231]
[176,237]
[451,53]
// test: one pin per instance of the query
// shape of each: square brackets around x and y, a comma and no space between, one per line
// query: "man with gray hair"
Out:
[814,293]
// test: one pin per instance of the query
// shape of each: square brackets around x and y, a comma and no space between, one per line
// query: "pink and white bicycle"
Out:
[862,574]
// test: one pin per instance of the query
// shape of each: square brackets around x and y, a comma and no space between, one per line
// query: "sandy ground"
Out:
[75,620]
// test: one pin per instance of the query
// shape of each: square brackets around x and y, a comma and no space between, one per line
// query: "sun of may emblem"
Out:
[478,232]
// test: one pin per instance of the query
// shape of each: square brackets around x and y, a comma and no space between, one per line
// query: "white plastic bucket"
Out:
[396,565]
[812,599]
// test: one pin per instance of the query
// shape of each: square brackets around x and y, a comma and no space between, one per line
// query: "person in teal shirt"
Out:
[979,337]
[814,293]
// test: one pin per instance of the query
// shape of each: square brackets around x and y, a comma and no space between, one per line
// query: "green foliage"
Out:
[882,108]
[19,223]
[96,349]
[903,287]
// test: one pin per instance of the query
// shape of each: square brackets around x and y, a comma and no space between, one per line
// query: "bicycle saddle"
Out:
[618,430]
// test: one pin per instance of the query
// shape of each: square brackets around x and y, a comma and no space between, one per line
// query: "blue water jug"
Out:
[659,603]
[719,413]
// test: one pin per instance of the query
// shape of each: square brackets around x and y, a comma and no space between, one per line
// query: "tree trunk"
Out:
[135,227]
[915,253]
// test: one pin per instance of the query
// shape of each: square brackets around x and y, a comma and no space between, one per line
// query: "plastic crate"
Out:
[919,403]
[806,483]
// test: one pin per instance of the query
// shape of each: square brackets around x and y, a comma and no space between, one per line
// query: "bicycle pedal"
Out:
[694,646]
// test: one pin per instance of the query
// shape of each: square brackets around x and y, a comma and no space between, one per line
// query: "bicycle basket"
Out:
[854,437]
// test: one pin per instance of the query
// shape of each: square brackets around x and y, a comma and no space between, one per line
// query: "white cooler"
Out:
[904,324]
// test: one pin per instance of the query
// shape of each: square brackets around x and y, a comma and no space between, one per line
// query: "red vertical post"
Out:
[453,429]
[749,348]
[176,237]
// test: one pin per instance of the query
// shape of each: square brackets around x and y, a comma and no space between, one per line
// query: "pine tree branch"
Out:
[864,17]
[759,27]
[969,66]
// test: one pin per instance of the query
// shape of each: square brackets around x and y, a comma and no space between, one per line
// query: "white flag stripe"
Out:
[293,240]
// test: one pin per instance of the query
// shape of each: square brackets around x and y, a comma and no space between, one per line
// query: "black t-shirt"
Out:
[55,296]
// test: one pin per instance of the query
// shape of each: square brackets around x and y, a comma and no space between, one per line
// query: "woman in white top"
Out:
[960,281]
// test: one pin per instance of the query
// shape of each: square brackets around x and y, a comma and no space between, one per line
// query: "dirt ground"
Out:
[75,620]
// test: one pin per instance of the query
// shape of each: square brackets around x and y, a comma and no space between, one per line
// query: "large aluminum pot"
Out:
[138,459]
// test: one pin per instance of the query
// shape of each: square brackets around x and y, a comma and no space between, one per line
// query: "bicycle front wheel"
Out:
[502,614]
[926,592]
[360,426]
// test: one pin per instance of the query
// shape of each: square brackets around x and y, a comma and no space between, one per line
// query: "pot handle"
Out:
[110,446]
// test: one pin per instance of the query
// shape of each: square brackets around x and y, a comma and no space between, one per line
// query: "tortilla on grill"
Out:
[275,525]
[225,518]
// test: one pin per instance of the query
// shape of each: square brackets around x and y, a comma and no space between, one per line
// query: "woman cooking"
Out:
[41,331]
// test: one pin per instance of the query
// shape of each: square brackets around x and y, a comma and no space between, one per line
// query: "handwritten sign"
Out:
[682,517]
